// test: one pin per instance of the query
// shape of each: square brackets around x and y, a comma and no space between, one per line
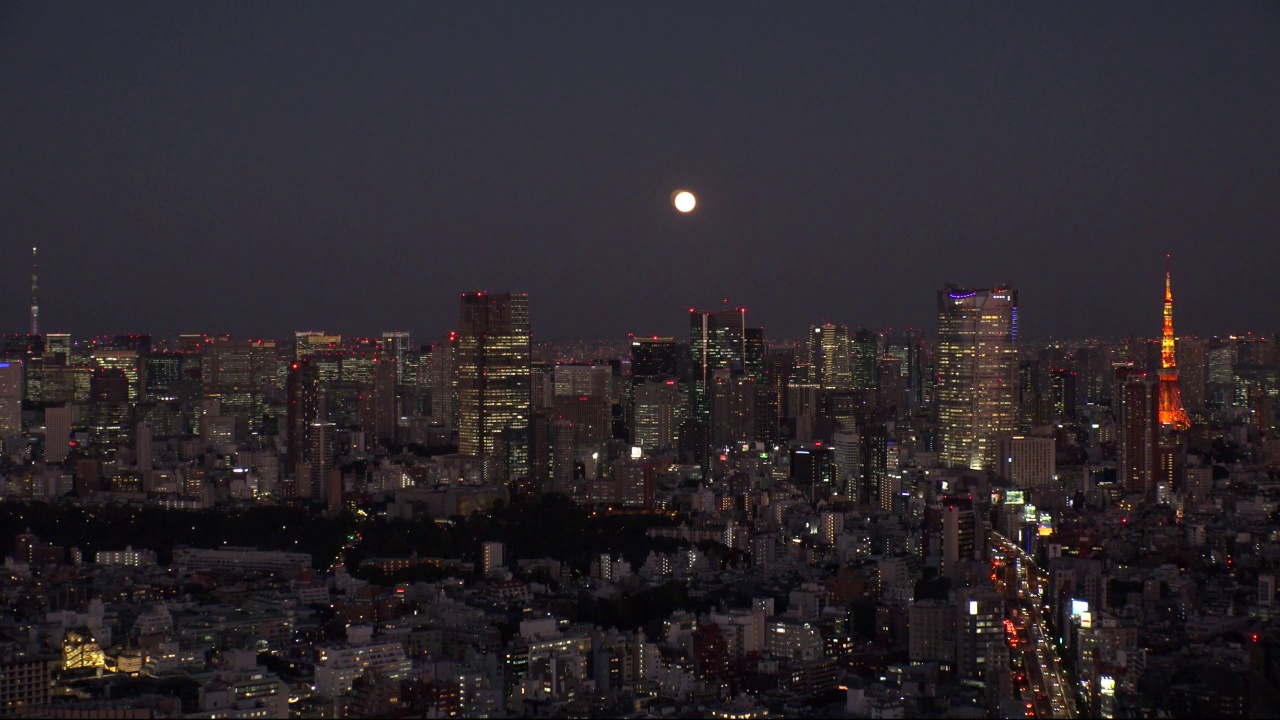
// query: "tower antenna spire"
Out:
[1171,410]
[35,302]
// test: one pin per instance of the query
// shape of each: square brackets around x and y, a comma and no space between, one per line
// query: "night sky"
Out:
[259,168]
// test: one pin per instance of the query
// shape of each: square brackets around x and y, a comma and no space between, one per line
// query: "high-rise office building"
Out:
[109,410]
[126,361]
[493,381]
[847,457]
[10,398]
[977,372]
[864,349]
[733,406]
[143,439]
[830,354]
[717,341]
[395,345]
[562,469]
[753,349]
[57,434]
[310,342]
[1172,413]
[584,379]
[1063,391]
[241,374]
[889,385]
[1031,411]
[305,400]
[653,356]
[321,451]
[654,424]
[589,414]
[163,375]
[444,381]
[1139,433]
[813,469]
[875,462]
[385,381]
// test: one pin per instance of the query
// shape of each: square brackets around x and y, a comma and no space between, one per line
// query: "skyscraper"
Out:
[654,426]
[443,372]
[306,401]
[654,356]
[10,399]
[57,434]
[830,354]
[395,344]
[977,372]
[1139,434]
[310,342]
[753,354]
[493,381]
[864,349]
[384,399]
[733,405]
[889,385]
[109,410]
[321,450]
[717,341]
[1172,413]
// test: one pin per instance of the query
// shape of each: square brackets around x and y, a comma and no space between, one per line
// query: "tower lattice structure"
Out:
[1172,413]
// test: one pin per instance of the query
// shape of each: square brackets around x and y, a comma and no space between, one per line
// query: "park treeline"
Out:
[530,527]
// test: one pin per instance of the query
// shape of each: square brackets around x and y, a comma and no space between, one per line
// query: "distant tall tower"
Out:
[494,381]
[396,344]
[717,341]
[35,303]
[977,372]
[831,356]
[1171,411]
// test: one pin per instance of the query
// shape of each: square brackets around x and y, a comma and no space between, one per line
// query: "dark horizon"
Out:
[245,169]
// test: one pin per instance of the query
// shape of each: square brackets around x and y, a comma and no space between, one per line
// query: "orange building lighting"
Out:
[1172,413]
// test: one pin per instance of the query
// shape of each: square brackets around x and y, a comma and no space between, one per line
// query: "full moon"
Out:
[684,201]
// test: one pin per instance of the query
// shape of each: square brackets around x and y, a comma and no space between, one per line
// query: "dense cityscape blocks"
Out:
[867,523]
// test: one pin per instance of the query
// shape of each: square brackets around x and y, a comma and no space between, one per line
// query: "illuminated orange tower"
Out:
[1171,411]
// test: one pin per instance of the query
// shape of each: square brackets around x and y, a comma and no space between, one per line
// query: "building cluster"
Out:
[856,523]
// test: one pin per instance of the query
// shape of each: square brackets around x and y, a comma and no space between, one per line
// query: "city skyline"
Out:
[770,334]
[347,170]
[767,360]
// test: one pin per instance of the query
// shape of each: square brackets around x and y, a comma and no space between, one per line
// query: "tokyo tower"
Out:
[1171,411]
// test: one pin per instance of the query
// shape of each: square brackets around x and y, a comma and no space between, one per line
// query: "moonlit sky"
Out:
[259,168]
